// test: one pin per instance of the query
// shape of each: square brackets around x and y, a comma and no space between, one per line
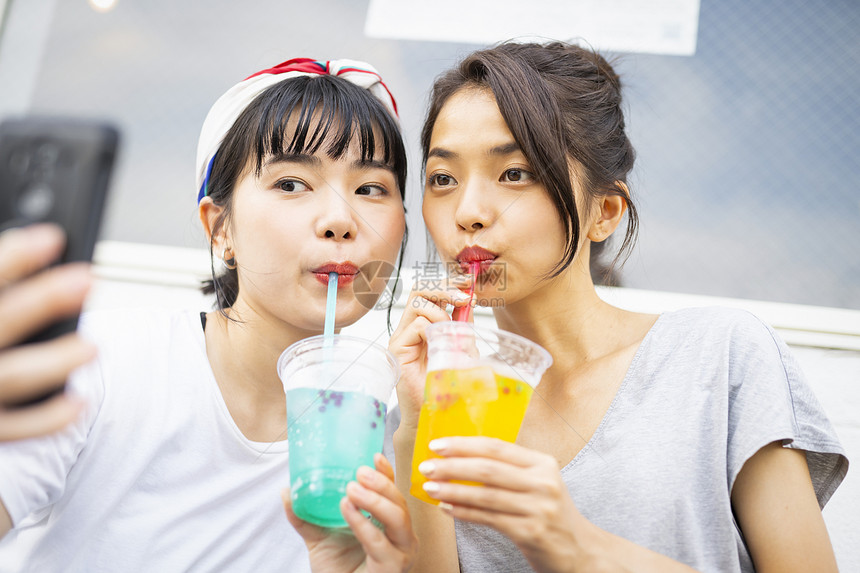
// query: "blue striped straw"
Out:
[330,303]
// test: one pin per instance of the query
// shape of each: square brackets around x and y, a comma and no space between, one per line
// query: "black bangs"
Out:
[307,114]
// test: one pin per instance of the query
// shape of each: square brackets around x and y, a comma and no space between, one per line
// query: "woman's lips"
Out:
[346,273]
[471,256]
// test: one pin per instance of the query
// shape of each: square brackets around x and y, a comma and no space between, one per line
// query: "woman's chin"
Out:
[350,313]
[347,313]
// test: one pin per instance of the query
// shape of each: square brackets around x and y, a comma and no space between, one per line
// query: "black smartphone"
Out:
[56,169]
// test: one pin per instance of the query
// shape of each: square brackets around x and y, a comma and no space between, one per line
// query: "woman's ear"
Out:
[609,215]
[211,216]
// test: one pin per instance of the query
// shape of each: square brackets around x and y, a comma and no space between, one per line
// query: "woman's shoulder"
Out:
[715,324]
[135,333]
[113,323]
[710,339]
[138,341]
[712,317]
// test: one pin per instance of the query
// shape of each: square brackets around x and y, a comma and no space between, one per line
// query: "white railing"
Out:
[175,269]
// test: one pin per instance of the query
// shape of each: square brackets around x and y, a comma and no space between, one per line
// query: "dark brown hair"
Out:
[560,102]
[330,112]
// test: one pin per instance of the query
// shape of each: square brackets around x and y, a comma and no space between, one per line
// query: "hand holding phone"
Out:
[52,170]
[26,306]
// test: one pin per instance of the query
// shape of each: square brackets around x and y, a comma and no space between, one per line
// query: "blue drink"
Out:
[337,390]
[331,434]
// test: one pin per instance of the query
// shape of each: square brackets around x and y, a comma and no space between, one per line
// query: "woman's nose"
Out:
[337,219]
[475,210]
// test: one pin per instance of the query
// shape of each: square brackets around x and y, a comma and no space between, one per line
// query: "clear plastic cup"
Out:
[479,383]
[338,389]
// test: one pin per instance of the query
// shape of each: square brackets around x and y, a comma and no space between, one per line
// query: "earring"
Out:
[231,262]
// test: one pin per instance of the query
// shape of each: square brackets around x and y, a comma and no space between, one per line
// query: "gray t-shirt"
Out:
[705,391]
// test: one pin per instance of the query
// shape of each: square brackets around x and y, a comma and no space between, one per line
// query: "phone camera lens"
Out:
[46,154]
[19,162]
[45,160]
[36,202]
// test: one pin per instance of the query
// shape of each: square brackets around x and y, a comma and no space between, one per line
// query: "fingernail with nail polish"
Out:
[427,468]
[438,446]
[431,487]
[460,296]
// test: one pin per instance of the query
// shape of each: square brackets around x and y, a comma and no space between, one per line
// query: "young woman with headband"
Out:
[683,441]
[179,460]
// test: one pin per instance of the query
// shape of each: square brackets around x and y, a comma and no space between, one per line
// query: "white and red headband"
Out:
[229,106]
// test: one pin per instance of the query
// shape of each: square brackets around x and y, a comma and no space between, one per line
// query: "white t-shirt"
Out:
[156,476]
[706,390]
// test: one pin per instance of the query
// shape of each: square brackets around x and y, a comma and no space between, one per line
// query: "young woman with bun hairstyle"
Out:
[683,441]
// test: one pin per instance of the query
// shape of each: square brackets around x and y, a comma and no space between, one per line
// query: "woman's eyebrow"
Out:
[303,158]
[504,149]
[442,153]
[371,164]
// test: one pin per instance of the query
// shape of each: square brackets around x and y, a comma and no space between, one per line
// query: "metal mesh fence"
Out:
[748,156]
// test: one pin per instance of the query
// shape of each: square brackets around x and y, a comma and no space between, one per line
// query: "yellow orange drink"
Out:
[468,402]
[479,383]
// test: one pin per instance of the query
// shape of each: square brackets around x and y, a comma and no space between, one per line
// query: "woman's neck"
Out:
[243,349]
[561,313]
[569,319]
[252,342]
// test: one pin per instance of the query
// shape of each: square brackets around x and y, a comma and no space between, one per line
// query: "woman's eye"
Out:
[517,175]
[441,180]
[370,191]
[291,185]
